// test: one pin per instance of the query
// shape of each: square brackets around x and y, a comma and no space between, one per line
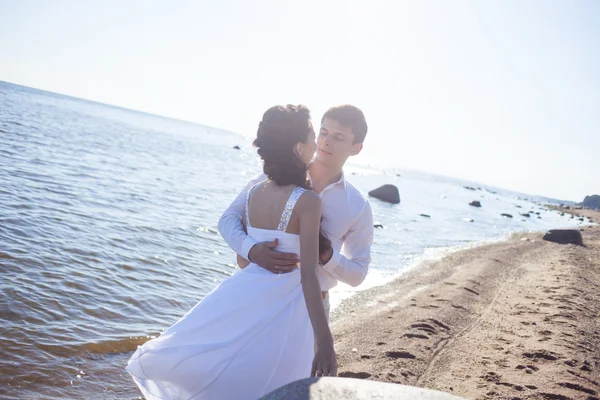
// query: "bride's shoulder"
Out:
[308,201]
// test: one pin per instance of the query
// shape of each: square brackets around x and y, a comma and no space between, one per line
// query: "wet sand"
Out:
[518,319]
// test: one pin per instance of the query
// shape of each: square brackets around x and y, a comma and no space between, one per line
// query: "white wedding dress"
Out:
[246,338]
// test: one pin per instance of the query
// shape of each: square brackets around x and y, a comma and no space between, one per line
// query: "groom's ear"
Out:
[356,148]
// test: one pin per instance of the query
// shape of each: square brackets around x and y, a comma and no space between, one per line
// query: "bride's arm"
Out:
[309,214]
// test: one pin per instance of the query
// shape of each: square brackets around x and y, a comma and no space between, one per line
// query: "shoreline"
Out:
[339,297]
[515,318]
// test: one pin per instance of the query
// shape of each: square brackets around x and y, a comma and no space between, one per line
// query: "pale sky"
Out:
[505,93]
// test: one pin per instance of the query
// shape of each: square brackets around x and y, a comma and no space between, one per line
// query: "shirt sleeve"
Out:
[352,263]
[230,224]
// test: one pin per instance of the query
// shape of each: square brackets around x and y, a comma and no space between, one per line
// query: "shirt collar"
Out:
[342,181]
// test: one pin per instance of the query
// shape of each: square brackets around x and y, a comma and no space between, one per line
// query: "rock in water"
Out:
[387,193]
[564,236]
[475,203]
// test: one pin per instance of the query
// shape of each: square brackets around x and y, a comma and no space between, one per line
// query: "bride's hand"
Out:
[324,363]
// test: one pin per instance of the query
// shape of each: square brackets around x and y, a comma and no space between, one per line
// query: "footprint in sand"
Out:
[400,354]
[430,306]
[471,290]
[357,375]
[575,386]
[407,374]
[542,354]
[440,324]
[415,336]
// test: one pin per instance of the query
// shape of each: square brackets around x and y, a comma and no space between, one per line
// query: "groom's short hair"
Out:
[349,116]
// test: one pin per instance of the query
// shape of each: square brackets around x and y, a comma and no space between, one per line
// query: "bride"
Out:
[256,331]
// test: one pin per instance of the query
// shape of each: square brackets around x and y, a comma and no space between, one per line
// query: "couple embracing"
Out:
[298,229]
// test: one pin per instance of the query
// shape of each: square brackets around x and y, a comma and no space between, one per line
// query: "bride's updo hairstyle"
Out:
[281,128]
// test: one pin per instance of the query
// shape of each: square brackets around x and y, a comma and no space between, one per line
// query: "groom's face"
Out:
[335,143]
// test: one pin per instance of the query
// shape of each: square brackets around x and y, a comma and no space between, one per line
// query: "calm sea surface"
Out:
[108,233]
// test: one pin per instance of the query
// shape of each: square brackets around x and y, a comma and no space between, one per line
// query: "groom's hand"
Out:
[265,255]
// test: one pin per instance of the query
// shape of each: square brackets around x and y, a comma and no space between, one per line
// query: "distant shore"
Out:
[514,319]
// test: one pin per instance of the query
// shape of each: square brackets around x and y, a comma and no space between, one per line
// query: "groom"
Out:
[347,216]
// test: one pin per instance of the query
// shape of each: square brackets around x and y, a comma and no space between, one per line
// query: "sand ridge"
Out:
[517,319]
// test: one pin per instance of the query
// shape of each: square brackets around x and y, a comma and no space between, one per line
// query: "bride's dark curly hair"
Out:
[278,132]
[281,128]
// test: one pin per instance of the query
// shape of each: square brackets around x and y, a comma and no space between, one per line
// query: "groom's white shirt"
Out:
[347,222]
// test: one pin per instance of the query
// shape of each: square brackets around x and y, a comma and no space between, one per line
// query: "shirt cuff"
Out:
[332,264]
[247,246]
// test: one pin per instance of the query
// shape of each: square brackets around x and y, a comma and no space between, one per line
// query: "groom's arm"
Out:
[352,266]
[230,225]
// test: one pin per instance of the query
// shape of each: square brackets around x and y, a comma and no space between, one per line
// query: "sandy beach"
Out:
[518,319]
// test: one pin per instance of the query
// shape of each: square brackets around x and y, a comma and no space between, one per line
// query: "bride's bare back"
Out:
[266,206]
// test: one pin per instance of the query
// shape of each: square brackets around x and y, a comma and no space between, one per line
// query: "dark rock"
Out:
[425,215]
[564,236]
[506,215]
[592,201]
[398,175]
[539,217]
[518,206]
[387,193]
[378,226]
[475,203]
[526,215]
[236,147]
[469,188]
